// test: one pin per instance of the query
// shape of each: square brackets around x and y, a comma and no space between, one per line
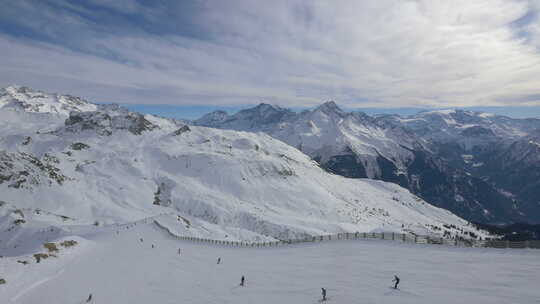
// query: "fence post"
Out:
[393,237]
[403,237]
[442,241]
[365,235]
[507,244]
[382,236]
[415,239]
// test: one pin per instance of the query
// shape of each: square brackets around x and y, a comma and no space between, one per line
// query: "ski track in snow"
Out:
[36,284]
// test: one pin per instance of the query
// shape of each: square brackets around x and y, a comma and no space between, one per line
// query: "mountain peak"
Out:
[212,119]
[31,100]
[267,107]
[14,89]
[330,107]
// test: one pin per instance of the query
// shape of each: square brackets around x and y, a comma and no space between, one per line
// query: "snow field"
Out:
[119,268]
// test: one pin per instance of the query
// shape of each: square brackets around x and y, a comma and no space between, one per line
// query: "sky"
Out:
[371,54]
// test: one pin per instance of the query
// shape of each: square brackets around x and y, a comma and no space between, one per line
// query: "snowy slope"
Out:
[112,166]
[120,268]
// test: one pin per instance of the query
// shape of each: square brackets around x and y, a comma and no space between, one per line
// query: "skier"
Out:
[242,281]
[152,245]
[323,294]
[179,251]
[396,279]
[89,298]
[219,260]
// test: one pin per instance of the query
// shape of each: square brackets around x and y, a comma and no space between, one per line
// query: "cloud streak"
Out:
[293,53]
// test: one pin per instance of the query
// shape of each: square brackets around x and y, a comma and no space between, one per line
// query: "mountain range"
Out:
[480,166]
[65,162]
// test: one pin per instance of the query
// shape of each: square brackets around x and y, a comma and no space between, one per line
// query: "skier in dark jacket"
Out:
[242,281]
[219,260]
[323,294]
[396,279]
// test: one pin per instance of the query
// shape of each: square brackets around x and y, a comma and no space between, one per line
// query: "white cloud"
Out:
[298,53]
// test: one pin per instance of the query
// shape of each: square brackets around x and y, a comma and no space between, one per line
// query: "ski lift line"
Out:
[400,237]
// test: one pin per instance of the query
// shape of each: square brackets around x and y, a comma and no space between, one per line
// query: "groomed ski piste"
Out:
[140,263]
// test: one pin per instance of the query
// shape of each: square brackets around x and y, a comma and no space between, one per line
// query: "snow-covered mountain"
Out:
[451,125]
[105,165]
[324,133]
[389,148]
[500,150]
[36,101]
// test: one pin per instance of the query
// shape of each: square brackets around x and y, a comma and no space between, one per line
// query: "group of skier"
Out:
[323,290]
[243,280]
